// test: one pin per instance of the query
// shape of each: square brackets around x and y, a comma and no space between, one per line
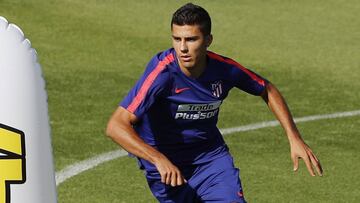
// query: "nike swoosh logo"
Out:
[179,90]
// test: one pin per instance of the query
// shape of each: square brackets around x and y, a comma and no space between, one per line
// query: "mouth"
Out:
[185,58]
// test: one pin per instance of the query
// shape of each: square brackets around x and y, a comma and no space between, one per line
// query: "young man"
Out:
[168,120]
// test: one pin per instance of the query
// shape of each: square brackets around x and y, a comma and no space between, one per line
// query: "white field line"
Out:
[87,164]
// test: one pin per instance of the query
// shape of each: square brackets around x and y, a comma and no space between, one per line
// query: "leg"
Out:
[168,194]
[219,181]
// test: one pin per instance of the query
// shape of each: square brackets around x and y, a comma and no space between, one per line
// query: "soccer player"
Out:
[168,119]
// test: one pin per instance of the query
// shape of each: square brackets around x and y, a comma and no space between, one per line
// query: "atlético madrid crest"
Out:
[216,88]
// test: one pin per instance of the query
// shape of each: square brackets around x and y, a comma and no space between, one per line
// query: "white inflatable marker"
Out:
[26,162]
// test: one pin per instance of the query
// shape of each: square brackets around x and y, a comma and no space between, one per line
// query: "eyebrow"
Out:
[186,38]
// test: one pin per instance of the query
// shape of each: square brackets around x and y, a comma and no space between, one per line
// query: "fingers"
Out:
[315,161]
[308,165]
[177,179]
[163,177]
[310,160]
[172,177]
[296,163]
[168,178]
[180,180]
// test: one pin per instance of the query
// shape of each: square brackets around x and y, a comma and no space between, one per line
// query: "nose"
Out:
[183,47]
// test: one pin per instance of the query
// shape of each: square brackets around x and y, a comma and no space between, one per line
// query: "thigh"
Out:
[219,181]
[167,193]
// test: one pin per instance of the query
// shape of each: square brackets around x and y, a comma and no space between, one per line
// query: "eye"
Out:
[177,39]
[191,39]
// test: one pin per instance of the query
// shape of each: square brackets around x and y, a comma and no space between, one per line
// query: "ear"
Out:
[208,40]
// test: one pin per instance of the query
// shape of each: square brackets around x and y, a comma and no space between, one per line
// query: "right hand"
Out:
[169,173]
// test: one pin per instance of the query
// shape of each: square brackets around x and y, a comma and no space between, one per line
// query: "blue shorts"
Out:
[214,181]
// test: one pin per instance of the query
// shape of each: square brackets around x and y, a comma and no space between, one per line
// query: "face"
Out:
[190,45]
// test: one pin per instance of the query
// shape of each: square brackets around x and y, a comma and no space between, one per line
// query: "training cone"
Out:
[26,162]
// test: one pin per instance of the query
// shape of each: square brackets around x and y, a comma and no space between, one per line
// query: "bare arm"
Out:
[299,149]
[120,130]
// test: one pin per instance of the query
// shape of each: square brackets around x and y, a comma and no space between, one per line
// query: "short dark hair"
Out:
[191,14]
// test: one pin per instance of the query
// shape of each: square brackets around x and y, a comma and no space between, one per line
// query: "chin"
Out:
[189,66]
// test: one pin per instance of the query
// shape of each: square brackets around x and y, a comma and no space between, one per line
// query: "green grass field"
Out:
[93,51]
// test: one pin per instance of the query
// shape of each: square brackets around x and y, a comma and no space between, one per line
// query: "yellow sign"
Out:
[12,160]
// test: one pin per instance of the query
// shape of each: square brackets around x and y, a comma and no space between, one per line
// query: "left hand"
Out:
[300,150]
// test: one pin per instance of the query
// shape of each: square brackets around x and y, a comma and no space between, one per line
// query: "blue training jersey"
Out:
[178,114]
